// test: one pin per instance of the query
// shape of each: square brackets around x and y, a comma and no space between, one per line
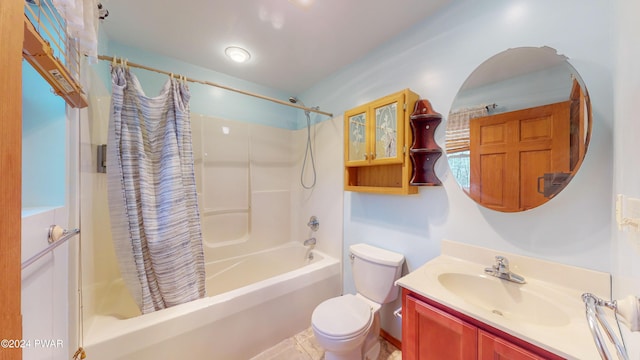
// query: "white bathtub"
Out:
[253,302]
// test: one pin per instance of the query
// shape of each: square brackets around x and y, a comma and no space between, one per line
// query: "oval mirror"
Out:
[518,129]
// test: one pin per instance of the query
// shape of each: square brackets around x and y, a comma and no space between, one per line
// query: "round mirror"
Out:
[518,129]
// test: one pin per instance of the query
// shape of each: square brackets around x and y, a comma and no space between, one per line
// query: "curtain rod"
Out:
[281,102]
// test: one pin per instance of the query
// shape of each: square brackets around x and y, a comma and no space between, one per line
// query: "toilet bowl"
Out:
[341,325]
[347,327]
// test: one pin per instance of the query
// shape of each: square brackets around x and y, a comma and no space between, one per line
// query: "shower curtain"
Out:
[152,193]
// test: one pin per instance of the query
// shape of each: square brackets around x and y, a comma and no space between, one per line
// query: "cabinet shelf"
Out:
[425,151]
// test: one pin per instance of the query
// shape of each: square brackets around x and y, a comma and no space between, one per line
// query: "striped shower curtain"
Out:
[153,207]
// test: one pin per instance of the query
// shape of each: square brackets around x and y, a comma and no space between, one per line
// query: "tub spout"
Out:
[310,241]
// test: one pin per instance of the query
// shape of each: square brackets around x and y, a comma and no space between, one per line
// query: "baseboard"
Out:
[393,341]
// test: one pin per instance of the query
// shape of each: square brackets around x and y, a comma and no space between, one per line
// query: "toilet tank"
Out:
[374,272]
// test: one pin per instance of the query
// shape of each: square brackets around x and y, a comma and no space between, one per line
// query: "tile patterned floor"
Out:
[303,346]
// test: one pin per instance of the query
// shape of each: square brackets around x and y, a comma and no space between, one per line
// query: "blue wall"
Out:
[205,99]
[44,142]
[434,58]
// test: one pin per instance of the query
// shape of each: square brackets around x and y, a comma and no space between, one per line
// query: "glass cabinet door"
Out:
[357,149]
[388,130]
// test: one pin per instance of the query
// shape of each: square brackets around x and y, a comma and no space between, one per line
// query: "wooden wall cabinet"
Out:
[376,140]
[431,331]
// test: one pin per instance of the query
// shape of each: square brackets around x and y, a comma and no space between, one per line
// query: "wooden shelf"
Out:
[38,52]
[381,179]
[424,150]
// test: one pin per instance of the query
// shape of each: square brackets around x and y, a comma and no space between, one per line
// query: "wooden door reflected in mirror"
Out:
[518,129]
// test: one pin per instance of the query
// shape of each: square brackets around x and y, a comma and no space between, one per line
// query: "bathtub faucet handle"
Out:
[310,241]
[313,223]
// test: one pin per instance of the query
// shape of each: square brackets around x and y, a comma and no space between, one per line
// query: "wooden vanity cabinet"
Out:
[433,331]
[430,333]
[493,347]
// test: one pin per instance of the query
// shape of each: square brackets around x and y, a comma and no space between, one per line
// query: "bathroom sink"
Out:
[546,311]
[518,302]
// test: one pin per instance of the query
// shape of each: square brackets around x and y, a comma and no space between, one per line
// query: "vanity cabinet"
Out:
[493,347]
[376,140]
[432,331]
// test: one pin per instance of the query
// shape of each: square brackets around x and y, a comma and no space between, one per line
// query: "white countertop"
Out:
[566,335]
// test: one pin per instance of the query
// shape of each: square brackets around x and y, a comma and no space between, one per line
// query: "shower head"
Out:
[295,100]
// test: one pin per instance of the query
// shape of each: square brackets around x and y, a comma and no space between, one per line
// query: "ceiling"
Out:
[293,43]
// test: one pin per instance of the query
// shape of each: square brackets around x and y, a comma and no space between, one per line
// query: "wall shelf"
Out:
[376,138]
[424,150]
[38,52]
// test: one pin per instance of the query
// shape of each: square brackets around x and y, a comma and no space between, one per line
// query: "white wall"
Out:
[324,200]
[626,254]
[45,289]
[433,59]
[99,265]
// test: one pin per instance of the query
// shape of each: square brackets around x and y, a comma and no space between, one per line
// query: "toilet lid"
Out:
[342,316]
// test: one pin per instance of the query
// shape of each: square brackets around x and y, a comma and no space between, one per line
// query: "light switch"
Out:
[627,213]
[632,208]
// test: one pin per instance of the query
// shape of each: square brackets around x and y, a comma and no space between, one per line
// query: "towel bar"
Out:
[67,234]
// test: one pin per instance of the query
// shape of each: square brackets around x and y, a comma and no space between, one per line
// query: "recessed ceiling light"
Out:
[237,54]
[303,3]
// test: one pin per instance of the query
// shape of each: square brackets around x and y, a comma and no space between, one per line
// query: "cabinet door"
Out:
[387,130]
[430,333]
[491,347]
[356,139]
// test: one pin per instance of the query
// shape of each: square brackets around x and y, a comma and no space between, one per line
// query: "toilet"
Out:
[347,327]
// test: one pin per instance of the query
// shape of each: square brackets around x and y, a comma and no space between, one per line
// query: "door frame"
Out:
[12,30]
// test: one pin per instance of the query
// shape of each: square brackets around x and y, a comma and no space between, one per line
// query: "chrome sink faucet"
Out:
[501,270]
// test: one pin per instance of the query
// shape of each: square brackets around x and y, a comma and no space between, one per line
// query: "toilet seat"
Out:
[342,317]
